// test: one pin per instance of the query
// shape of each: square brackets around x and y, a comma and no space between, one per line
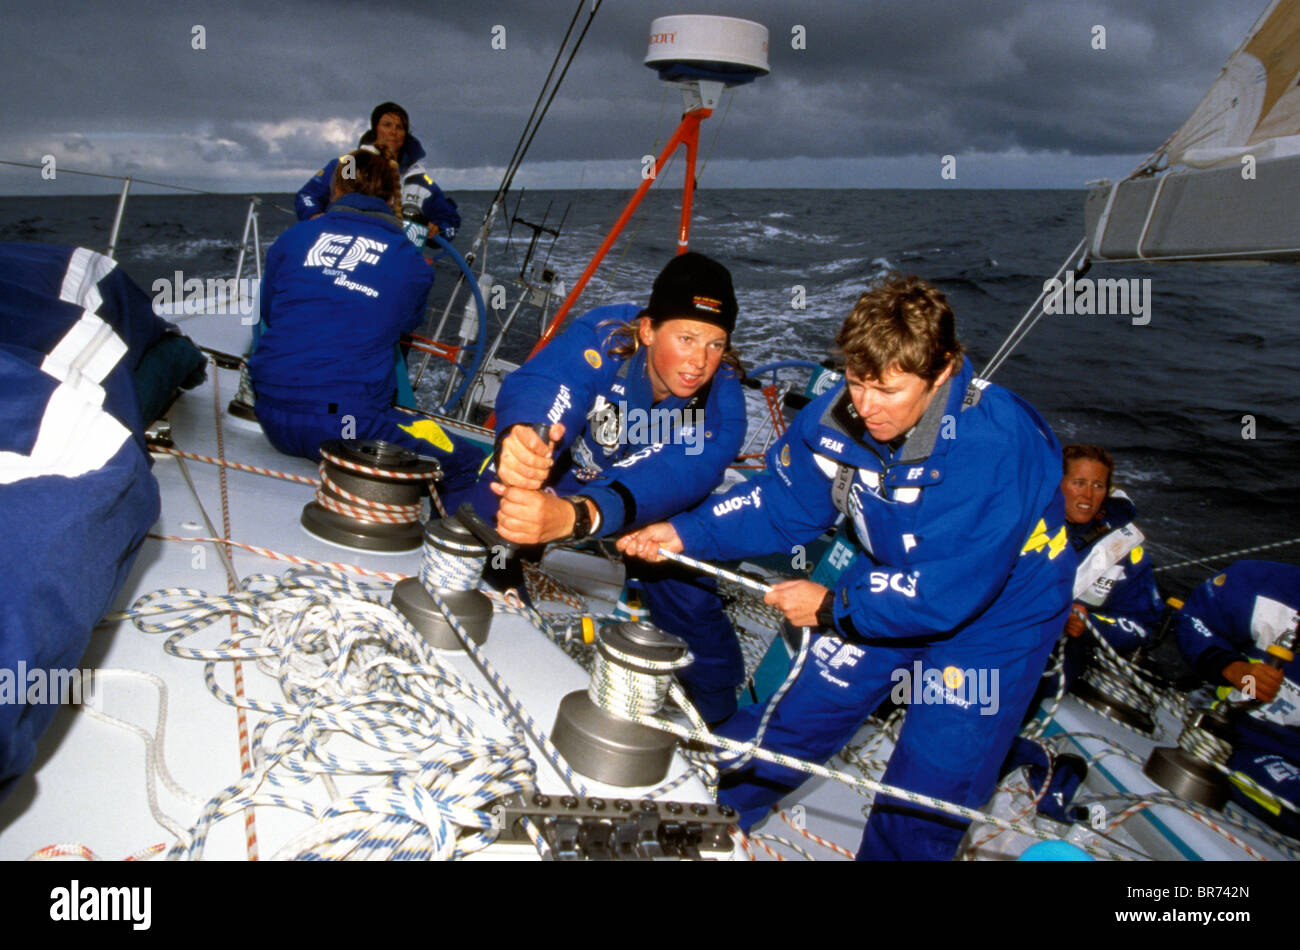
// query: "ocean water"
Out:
[1199,406]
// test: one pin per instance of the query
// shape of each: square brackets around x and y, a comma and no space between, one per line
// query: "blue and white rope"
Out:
[350,666]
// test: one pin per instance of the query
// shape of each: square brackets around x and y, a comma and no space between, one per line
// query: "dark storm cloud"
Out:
[284,86]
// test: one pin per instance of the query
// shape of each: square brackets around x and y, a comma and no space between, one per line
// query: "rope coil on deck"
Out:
[350,667]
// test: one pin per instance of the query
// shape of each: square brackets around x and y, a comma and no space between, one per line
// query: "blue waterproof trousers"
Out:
[954,738]
[1269,754]
[299,429]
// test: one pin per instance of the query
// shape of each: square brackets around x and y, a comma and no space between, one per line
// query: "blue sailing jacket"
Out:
[638,460]
[422,200]
[76,494]
[961,529]
[337,293]
[1235,615]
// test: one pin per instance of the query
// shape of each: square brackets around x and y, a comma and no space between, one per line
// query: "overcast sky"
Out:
[884,88]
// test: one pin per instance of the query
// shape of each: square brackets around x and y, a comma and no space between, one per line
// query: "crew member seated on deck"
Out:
[422,201]
[1224,631]
[338,292]
[964,571]
[645,412]
[1115,585]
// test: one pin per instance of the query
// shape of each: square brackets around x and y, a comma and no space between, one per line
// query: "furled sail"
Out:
[1224,185]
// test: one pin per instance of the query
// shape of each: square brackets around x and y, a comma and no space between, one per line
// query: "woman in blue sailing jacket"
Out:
[1115,585]
[645,413]
[338,292]
[961,584]
[422,200]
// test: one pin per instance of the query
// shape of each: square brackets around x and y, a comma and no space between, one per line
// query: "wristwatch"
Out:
[581,517]
[826,612]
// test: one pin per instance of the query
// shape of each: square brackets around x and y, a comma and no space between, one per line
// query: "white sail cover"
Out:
[1255,101]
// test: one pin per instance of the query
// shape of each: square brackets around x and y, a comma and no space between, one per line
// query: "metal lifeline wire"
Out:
[1228,555]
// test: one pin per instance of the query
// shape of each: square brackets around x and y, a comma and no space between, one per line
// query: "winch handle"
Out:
[485,532]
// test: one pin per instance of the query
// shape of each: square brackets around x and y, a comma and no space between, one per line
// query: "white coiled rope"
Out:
[444,749]
[441,570]
[631,687]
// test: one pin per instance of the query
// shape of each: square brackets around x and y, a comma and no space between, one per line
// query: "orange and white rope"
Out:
[53,852]
[360,469]
[240,466]
[241,717]
[280,556]
[817,839]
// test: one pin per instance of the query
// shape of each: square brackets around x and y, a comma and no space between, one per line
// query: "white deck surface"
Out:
[88,784]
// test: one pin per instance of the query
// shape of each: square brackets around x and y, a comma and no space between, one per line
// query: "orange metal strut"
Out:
[688,133]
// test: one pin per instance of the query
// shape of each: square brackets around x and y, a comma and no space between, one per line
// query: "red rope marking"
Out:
[245,751]
[448,351]
[256,470]
[291,558]
[831,845]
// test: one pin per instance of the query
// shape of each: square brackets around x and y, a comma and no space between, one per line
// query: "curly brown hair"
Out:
[901,323]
